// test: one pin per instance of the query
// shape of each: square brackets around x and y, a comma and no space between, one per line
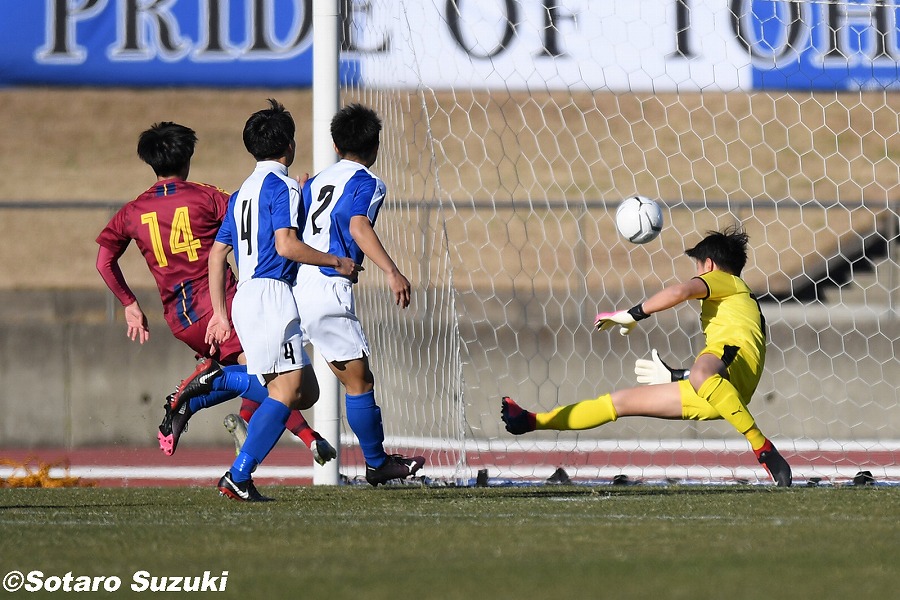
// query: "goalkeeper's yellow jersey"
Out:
[730,314]
[736,333]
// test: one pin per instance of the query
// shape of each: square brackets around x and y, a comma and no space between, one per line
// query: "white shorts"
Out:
[268,325]
[328,315]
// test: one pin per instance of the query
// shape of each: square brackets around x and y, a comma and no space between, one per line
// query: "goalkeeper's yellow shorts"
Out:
[743,372]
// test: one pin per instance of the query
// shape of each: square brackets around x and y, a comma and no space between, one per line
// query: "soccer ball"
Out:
[639,219]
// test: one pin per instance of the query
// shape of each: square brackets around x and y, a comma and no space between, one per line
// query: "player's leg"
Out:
[263,433]
[208,385]
[708,378]
[267,425]
[192,336]
[363,413]
[322,451]
[726,398]
[660,401]
[265,318]
[236,423]
[327,311]
[364,418]
[211,383]
[221,385]
[210,377]
[248,407]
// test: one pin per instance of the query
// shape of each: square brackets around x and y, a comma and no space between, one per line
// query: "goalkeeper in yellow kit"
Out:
[723,377]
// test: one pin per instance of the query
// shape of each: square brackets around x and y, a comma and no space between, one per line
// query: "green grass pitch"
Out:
[409,542]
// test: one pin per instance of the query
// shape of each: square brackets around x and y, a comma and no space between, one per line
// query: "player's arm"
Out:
[289,246]
[111,273]
[368,241]
[664,299]
[219,328]
[674,295]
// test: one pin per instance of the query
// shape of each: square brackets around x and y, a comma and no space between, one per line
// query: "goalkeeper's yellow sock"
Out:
[756,438]
[586,414]
[723,397]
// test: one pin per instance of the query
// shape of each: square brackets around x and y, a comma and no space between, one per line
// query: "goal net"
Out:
[512,128]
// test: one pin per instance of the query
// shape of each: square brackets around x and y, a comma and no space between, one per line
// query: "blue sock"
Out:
[237,380]
[263,432]
[364,417]
[211,399]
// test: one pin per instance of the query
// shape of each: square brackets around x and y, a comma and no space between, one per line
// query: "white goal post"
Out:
[512,128]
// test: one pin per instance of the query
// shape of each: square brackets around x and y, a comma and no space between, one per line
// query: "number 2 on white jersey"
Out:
[326,195]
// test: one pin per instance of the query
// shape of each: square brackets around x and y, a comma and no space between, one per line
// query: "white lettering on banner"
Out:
[877,26]
[59,30]
[141,20]
[149,29]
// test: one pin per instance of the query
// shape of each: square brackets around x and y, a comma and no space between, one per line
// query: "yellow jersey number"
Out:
[181,239]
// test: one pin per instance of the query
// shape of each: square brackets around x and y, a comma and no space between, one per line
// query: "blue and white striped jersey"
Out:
[330,199]
[268,200]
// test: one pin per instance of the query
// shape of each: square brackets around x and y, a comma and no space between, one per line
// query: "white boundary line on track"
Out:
[712,473]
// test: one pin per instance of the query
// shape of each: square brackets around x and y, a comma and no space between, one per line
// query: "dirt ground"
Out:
[80,144]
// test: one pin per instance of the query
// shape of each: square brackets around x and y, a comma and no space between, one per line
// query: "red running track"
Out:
[291,464]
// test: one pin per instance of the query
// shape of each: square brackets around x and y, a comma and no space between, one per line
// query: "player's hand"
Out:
[136,320]
[609,320]
[217,331]
[348,268]
[400,287]
[302,179]
[654,371]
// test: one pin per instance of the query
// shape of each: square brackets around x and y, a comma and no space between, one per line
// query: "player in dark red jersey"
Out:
[174,224]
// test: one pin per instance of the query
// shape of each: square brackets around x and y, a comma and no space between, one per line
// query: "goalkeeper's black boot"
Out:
[774,463]
[517,419]
[197,383]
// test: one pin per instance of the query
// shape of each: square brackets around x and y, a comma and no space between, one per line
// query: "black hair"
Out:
[269,133]
[728,249]
[167,147]
[356,130]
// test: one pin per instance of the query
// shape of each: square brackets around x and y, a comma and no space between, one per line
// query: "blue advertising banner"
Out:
[157,42]
[848,45]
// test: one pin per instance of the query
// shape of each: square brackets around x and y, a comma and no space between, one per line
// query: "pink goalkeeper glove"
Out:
[621,318]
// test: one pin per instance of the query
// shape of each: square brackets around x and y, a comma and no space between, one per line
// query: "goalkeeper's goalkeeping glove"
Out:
[655,371]
[625,319]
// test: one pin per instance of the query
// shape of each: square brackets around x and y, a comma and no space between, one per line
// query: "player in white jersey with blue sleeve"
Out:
[261,227]
[341,205]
